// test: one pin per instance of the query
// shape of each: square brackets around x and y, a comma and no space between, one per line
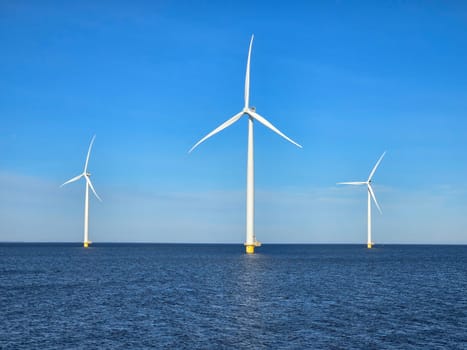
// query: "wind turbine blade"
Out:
[352,183]
[89,152]
[267,124]
[218,129]
[72,180]
[92,187]
[376,166]
[374,198]
[247,75]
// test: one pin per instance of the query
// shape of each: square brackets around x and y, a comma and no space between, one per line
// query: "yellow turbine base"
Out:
[250,249]
[369,245]
[86,244]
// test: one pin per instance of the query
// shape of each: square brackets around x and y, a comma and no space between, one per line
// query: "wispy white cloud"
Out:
[35,209]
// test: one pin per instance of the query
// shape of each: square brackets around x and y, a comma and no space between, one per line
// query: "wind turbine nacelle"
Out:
[253,109]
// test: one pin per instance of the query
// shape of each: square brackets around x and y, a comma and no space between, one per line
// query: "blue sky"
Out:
[346,79]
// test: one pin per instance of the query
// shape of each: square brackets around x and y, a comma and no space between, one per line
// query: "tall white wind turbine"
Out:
[251,241]
[86,176]
[371,194]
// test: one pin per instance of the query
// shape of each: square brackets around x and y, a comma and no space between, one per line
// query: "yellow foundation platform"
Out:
[250,249]
[86,244]
[369,245]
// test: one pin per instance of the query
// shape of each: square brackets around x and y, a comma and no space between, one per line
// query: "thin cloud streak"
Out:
[35,209]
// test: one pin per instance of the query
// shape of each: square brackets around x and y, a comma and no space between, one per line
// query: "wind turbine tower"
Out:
[253,116]
[371,195]
[86,176]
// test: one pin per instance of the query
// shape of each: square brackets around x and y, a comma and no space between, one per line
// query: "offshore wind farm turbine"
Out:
[86,176]
[371,194]
[251,241]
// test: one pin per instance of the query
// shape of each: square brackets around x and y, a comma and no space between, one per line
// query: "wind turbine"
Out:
[371,194]
[86,175]
[251,241]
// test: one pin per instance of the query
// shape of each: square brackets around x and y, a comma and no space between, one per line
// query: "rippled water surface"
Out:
[59,296]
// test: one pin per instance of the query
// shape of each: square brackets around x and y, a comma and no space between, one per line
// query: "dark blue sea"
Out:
[137,296]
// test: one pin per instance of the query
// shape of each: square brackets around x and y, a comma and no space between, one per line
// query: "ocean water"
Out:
[123,296]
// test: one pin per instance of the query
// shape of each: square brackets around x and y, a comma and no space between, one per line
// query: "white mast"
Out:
[86,217]
[369,244]
[250,192]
